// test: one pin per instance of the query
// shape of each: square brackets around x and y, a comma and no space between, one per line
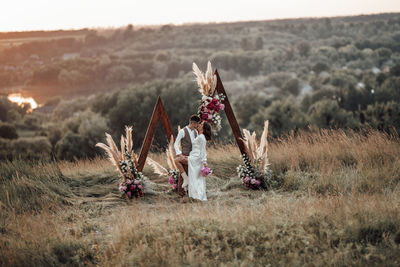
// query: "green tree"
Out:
[382,116]
[283,116]
[259,43]
[304,48]
[248,105]
[320,67]
[395,70]
[70,147]
[120,73]
[83,131]
[245,44]
[328,114]
[35,148]
[292,87]
[134,107]
[10,112]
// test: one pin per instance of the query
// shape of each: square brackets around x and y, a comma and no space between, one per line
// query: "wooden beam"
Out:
[230,115]
[159,113]
[165,122]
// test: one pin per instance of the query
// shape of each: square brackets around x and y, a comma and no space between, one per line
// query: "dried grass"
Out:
[338,204]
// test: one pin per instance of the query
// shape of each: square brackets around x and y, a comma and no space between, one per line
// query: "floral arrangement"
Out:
[211,104]
[173,172]
[210,108]
[132,184]
[173,178]
[205,171]
[255,173]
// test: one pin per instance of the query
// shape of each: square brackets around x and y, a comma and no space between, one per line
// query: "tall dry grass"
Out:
[28,186]
[337,203]
[335,161]
[271,230]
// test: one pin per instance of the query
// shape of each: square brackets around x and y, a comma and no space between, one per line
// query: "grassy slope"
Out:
[338,204]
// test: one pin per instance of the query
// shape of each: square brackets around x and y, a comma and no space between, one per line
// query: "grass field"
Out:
[10,42]
[337,203]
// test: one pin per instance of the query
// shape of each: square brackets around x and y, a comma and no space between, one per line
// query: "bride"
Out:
[197,159]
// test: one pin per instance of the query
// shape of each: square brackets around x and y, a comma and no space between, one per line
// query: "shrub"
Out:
[304,48]
[283,117]
[34,148]
[328,114]
[8,131]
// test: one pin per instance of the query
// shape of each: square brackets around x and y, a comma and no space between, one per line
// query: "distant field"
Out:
[6,43]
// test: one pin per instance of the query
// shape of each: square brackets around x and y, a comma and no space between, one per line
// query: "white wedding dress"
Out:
[196,160]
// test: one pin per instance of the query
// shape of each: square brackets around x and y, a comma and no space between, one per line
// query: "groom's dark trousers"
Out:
[181,162]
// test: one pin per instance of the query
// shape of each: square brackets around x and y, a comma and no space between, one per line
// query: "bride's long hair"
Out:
[207,131]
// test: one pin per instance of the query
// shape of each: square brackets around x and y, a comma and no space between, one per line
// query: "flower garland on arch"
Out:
[125,161]
[211,103]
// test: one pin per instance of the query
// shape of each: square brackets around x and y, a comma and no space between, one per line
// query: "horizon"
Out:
[57,16]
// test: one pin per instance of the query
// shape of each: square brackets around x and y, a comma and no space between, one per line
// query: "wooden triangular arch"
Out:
[160,114]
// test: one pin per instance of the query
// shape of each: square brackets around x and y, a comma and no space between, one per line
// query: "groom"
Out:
[185,138]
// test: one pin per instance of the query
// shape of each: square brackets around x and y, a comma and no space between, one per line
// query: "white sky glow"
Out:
[20,15]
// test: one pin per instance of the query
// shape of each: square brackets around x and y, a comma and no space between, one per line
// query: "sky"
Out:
[21,15]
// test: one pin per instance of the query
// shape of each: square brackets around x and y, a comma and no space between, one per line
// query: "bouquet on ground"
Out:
[255,173]
[211,103]
[132,184]
[173,172]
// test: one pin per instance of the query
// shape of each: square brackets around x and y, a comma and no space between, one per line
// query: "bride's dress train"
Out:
[196,160]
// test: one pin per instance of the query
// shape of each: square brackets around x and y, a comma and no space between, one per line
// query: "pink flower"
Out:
[210,116]
[205,171]
[253,181]
[140,186]
[257,182]
[136,182]
[129,194]
[222,107]
[121,184]
[128,181]
[246,179]
[132,187]
[174,186]
[171,179]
